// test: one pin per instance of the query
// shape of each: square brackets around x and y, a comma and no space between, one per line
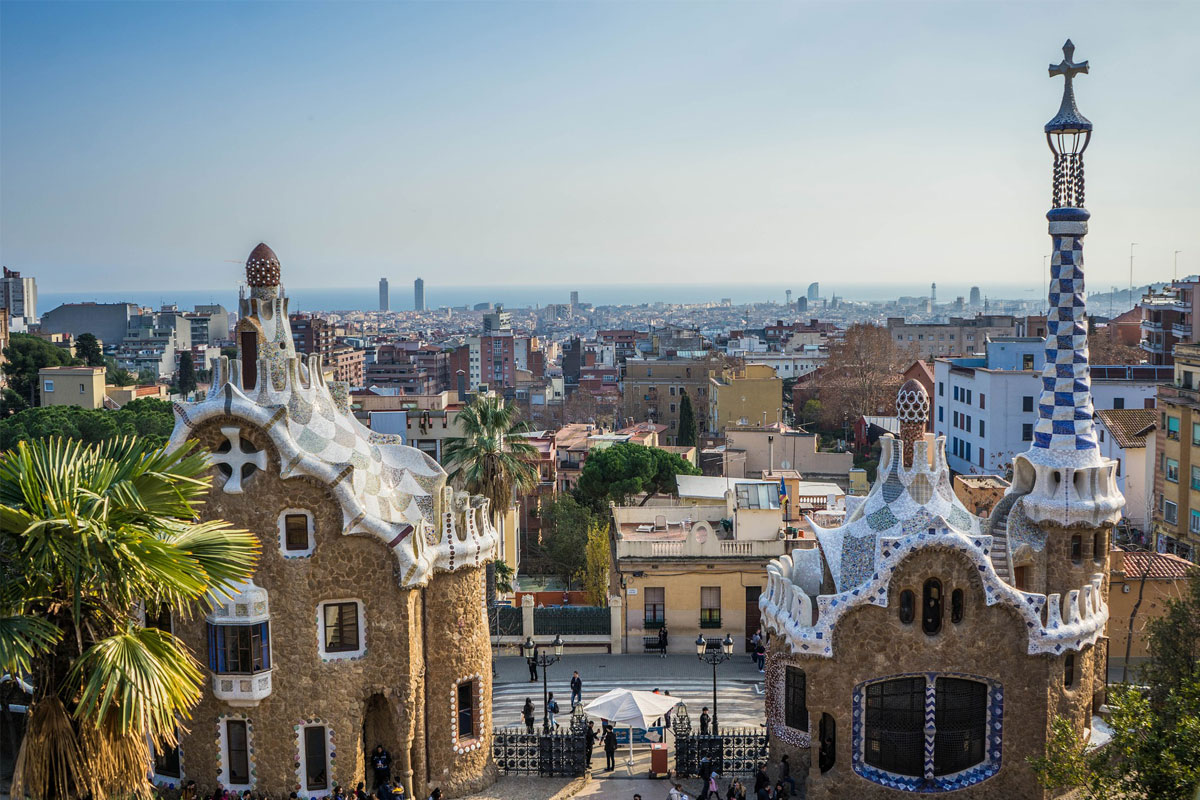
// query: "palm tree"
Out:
[91,535]
[490,458]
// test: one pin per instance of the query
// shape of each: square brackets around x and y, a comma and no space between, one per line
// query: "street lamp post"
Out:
[714,658]
[544,660]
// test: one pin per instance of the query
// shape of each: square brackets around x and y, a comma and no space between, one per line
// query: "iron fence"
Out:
[734,751]
[572,620]
[504,621]
[559,754]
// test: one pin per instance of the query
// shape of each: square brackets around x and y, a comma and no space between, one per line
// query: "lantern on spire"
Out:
[1068,134]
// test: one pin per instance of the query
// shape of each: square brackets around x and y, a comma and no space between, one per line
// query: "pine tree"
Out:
[687,423]
[87,347]
[187,374]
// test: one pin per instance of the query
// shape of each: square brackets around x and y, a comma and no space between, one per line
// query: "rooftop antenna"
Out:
[1131,246]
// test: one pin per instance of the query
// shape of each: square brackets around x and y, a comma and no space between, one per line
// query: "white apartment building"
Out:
[1127,437]
[986,407]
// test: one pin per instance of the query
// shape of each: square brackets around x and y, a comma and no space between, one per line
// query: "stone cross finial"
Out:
[1068,117]
[1068,68]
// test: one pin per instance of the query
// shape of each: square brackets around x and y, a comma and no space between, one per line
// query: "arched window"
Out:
[907,601]
[956,606]
[1069,671]
[931,606]
[1099,547]
[1077,548]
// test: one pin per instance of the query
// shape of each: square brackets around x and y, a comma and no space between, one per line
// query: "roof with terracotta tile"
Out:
[1129,426]
[1160,566]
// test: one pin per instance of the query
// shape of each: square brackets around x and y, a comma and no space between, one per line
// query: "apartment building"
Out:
[18,296]
[961,336]
[312,335]
[72,386]
[987,407]
[745,395]
[1176,514]
[1167,317]
[654,389]
[1126,435]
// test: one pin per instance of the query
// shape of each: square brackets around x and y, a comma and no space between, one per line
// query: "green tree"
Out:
[149,418]
[1154,753]
[187,374]
[119,376]
[24,356]
[596,564]
[490,458]
[687,422]
[146,377]
[625,470]
[89,534]
[565,526]
[87,349]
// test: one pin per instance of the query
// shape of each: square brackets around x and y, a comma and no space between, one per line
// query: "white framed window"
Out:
[313,746]
[297,537]
[235,752]
[466,717]
[341,630]
[47,386]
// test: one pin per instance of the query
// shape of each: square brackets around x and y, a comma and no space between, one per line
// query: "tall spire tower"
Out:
[1066,479]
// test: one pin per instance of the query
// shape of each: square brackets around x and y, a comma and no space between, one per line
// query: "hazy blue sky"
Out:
[149,144]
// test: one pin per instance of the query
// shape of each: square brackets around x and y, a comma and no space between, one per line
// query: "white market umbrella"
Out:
[630,708]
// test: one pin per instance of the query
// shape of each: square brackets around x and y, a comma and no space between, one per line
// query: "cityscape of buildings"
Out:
[924,525]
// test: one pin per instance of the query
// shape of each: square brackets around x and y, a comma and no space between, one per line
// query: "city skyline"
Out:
[686,143]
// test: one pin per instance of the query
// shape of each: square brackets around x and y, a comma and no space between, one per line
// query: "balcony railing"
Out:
[1181,331]
[1151,325]
[729,548]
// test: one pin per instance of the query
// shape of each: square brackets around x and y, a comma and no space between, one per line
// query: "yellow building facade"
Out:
[1176,517]
[748,395]
[72,386]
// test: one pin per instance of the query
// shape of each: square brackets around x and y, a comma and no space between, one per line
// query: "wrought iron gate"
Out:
[735,751]
[518,752]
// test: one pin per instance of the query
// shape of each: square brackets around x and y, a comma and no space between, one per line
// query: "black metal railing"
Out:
[558,754]
[571,620]
[735,751]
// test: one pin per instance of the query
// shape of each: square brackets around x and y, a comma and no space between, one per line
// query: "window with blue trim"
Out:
[239,649]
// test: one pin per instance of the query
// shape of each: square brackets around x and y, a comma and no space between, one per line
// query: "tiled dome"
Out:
[262,267]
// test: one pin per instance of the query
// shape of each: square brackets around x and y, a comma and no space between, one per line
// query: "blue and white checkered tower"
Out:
[1066,478]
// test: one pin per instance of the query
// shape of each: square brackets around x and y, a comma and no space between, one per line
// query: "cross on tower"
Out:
[1068,68]
[235,459]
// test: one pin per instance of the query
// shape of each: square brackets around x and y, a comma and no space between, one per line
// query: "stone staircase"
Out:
[998,526]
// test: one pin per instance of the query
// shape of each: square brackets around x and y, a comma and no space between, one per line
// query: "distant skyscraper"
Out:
[418,295]
[802,304]
[975,296]
[814,291]
[383,295]
[574,299]
[19,296]
[789,298]
[933,294]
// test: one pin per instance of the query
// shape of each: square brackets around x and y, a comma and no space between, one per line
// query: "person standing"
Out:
[527,714]
[704,719]
[761,781]
[381,764]
[610,749]
[532,661]
[662,641]
[576,689]
[589,742]
[551,710]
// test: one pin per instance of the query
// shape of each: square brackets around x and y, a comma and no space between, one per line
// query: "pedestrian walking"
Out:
[662,641]
[760,656]
[381,765]
[576,689]
[610,749]
[551,710]
[761,780]
[711,790]
[527,714]
[785,775]
[532,661]
[704,720]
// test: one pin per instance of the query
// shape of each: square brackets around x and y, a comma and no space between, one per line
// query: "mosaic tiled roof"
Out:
[901,502]
[386,489]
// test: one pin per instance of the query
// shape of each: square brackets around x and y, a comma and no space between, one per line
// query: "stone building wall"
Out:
[870,643]
[387,679]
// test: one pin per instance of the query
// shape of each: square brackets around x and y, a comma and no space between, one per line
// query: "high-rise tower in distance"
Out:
[418,295]
[383,294]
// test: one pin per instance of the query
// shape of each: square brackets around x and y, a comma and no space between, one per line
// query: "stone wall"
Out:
[458,649]
[387,678]
[871,643]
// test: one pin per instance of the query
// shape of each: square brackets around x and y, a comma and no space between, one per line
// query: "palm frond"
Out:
[22,638]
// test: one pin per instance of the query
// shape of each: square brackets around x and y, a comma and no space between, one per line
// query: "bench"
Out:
[650,644]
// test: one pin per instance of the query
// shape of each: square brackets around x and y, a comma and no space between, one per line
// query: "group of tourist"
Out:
[783,788]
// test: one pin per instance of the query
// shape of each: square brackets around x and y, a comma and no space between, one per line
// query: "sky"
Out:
[153,144]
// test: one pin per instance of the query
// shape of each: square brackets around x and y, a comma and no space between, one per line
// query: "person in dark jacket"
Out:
[527,714]
[590,742]
[532,661]
[662,642]
[761,781]
[704,718]
[576,689]
[381,764]
[610,749]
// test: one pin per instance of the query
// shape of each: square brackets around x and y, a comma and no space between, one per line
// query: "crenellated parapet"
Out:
[792,609]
